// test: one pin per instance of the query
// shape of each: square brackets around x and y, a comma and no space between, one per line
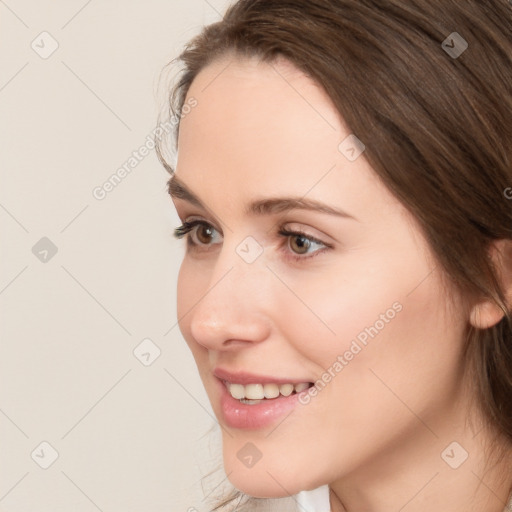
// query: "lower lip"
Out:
[244,416]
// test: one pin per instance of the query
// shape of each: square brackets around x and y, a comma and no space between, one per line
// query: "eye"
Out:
[302,242]
[203,233]
[297,247]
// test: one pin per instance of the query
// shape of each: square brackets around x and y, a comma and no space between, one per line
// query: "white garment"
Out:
[316,500]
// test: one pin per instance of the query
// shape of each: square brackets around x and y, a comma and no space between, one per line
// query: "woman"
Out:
[347,284]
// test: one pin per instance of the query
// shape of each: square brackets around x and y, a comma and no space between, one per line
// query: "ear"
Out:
[486,313]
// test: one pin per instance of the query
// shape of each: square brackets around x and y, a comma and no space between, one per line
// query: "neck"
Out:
[427,472]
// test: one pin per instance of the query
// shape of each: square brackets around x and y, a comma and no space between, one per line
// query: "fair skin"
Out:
[377,430]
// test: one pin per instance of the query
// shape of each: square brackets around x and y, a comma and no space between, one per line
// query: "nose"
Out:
[232,311]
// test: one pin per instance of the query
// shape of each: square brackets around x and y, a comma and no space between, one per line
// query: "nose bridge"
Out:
[240,267]
[233,305]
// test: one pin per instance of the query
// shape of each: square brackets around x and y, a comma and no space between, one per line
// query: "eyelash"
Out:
[187,227]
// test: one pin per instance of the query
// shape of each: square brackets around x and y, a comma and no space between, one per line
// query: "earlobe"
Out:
[486,313]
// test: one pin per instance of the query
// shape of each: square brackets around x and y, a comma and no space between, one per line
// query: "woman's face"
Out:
[354,302]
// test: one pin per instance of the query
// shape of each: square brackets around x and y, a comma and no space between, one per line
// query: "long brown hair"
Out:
[437,126]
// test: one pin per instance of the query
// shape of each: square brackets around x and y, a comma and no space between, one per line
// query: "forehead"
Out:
[260,117]
[238,80]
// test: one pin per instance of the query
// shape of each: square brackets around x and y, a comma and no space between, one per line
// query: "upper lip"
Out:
[241,377]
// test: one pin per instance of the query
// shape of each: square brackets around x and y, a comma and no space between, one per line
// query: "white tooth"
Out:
[237,391]
[271,390]
[286,389]
[254,391]
[301,387]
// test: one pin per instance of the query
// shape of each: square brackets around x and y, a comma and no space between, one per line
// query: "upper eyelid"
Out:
[181,204]
[210,223]
[185,216]
[199,222]
[187,219]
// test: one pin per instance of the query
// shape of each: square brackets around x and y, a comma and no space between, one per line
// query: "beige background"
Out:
[128,436]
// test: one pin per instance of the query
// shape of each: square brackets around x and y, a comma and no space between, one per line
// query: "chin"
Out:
[261,486]
[269,477]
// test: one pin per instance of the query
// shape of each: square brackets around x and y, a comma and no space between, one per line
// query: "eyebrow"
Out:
[267,206]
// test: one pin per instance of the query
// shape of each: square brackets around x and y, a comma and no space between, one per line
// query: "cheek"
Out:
[347,303]
[412,362]
[364,295]
[379,328]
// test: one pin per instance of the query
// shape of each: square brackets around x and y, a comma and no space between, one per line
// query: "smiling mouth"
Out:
[251,394]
